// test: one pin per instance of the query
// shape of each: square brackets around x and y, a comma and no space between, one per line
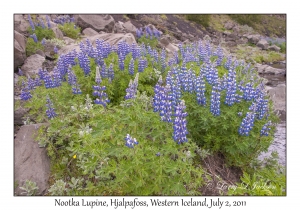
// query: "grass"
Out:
[32,47]
[203,20]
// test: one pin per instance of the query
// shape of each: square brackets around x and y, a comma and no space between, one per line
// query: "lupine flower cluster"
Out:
[63,19]
[131,67]
[99,91]
[231,88]
[247,124]
[30,84]
[179,125]
[265,129]
[131,91]
[142,64]
[163,102]
[48,21]
[50,110]
[139,33]
[215,100]
[111,73]
[84,63]
[121,61]
[25,93]
[129,141]
[200,90]
[34,37]
[41,23]
[55,50]
[136,51]
[157,95]
[31,23]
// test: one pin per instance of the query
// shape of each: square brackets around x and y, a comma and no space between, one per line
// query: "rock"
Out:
[119,28]
[266,69]
[19,50]
[253,38]
[18,116]
[274,48]
[41,53]
[20,39]
[89,32]
[49,50]
[169,47]
[21,25]
[263,44]
[113,39]
[278,96]
[97,22]
[58,33]
[207,37]
[229,25]
[242,40]
[129,27]
[69,40]
[230,44]
[68,48]
[30,161]
[33,64]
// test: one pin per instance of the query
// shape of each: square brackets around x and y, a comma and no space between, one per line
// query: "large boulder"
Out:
[33,64]
[278,96]
[129,27]
[113,39]
[97,22]
[119,28]
[21,25]
[274,48]
[263,44]
[30,161]
[165,42]
[254,39]
[19,49]
[58,33]
[89,32]
[266,69]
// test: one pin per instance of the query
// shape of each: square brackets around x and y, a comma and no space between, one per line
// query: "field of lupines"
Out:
[127,116]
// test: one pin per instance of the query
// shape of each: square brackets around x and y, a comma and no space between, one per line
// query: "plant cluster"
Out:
[117,141]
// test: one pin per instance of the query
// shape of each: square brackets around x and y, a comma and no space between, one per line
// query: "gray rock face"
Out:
[254,39]
[165,42]
[33,64]
[266,69]
[129,27]
[97,22]
[113,39]
[18,116]
[19,49]
[278,96]
[89,32]
[58,33]
[119,28]
[263,44]
[69,40]
[30,161]
[20,24]
[274,48]
[228,25]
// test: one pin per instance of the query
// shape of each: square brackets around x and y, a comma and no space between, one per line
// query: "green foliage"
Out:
[70,30]
[220,134]
[110,167]
[267,180]
[153,43]
[247,19]
[200,19]
[41,33]
[32,47]
[86,141]
[30,188]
